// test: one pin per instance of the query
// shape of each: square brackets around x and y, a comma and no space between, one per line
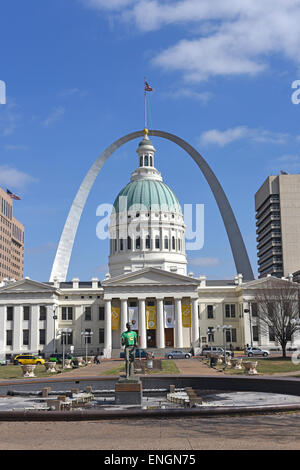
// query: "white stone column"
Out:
[160,324]
[178,324]
[124,315]
[195,322]
[34,329]
[3,346]
[17,329]
[142,324]
[49,346]
[107,329]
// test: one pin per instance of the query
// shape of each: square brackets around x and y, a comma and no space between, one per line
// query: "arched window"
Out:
[129,243]
[157,242]
[146,160]
[151,160]
[147,242]
[121,244]
[166,244]
[116,245]
[178,244]
[173,243]
[141,161]
[138,243]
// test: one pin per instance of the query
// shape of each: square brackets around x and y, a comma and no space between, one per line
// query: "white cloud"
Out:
[55,115]
[9,118]
[231,37]
[14,178]
[222,138]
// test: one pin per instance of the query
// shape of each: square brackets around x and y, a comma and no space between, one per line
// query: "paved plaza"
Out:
[280,431]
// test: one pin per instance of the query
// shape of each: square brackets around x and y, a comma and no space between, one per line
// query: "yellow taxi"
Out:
[28,359]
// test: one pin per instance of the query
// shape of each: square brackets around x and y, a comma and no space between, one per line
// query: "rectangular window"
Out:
[42,339]
[210,311]
[210,334]
[9,313]
[88,314]
[255,333]
[25,337]
[43,312]
[271,334]
[101,313]
[67,338]
[101,335]
[9,336]
[230,310]
[87,339]
[67,313]
[26,313]
[254,309]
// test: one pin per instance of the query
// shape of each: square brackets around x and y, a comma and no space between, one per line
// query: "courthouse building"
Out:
[147,284]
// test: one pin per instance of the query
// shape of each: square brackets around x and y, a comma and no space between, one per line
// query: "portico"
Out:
[162,306]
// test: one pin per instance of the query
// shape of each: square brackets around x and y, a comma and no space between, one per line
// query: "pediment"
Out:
[27,285]
[269,282]
[151,276]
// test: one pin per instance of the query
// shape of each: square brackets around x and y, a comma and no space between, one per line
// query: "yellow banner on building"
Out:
[186,315]
[115,318]
[151,317]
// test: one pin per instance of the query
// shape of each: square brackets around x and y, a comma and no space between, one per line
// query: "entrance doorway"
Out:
[169,337]
[151,338]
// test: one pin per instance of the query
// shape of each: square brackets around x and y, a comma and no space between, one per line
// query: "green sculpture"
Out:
[129,340]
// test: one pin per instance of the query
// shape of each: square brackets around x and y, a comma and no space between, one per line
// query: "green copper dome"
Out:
[149,193]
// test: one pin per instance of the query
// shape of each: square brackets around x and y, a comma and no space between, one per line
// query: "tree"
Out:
[278,306]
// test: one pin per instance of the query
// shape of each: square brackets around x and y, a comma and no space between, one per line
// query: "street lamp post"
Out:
[224,328]
[86,335]
[65,332]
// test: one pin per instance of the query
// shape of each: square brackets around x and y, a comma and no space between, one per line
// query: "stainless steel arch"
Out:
[65,246]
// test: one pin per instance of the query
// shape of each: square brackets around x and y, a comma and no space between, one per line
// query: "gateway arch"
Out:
[65,246]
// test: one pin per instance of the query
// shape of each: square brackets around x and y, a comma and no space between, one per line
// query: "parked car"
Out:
[28,359]
[178,355]
[139,353]
[254,351]
[207,350]
[3,362]
[58,357]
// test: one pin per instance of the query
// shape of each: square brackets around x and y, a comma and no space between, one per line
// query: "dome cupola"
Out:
[146,226]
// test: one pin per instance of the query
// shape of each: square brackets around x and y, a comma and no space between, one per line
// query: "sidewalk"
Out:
[185,366]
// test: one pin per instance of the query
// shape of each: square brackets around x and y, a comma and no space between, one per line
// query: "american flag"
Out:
[148,87]
[12,195]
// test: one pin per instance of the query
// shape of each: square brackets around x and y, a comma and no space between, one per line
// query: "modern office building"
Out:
[277,206]
[11,240]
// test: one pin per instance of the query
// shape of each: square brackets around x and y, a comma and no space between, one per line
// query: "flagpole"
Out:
[145,103]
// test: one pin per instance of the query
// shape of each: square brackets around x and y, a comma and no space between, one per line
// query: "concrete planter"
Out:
[236,363]
[28,370]
[51,367]
[68,364]
[250,367]
[80,361]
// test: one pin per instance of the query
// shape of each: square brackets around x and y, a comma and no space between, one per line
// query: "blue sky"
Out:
[74,70]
